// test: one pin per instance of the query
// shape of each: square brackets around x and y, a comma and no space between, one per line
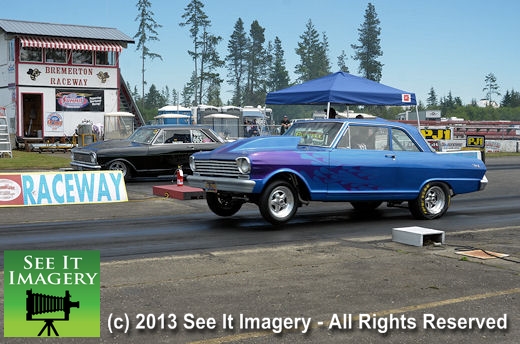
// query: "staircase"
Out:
[127,103]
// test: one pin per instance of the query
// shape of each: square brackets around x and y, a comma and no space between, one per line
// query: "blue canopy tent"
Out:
[341,88]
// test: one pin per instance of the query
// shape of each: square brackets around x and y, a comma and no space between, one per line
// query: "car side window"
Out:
[365,137]
[402,142]
[198,136]
[169,136]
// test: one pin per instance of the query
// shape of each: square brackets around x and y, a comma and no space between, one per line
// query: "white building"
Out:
[54,77]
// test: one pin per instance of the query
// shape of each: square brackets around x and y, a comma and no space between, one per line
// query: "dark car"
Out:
[150,151]
[362,161]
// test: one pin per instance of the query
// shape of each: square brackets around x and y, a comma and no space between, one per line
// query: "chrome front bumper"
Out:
[82,166]
[483,183]
[221,184]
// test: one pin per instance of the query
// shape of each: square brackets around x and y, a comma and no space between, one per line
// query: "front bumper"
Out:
[221,183]
[82,166]
[483,183]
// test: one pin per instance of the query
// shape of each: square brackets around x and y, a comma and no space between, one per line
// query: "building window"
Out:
[82,57]
[105,58]
[11,50]
[30,54]
[55,55]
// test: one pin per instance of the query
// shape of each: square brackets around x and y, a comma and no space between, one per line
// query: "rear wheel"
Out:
[222,206]
[433,201]
[120,165]
[279,202]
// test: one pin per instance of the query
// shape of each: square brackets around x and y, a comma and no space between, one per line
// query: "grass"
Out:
[23,160]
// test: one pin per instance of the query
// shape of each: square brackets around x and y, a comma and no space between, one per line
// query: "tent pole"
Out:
[418,121]
[328,109]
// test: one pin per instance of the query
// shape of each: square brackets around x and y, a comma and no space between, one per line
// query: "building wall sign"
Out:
[80,100]
[66,76]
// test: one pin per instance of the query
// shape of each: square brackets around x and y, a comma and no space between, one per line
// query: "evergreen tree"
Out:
[314,62]
[342,62]
[511,99]
[491,87]
[431,102]
[369,48]
[237,58]
[146,33]
[204,54]
[278,74]
[256,66]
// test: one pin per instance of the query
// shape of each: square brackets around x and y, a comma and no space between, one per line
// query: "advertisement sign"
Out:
[51,293]
[80,100]
[60,188]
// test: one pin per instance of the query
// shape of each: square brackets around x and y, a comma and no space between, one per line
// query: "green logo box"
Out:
[51,293]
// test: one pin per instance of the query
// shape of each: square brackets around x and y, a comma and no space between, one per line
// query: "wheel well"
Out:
[127,163]
[295,181]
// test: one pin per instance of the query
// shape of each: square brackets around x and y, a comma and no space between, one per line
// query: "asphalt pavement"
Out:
[363,290]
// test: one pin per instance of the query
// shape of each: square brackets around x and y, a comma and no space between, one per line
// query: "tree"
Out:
[369,48]
[342,62]
[314,62]
[432,99]
[146,33]
[511,99]
[204,54]
[278,74]
[491,87]
[236,65]
[256,66]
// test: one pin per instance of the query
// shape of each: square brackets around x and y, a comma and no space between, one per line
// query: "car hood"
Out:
[109,145]
[251,145]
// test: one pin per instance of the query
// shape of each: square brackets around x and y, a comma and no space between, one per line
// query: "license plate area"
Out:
[210,186]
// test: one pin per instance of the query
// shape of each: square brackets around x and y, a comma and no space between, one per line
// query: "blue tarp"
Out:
[341,88]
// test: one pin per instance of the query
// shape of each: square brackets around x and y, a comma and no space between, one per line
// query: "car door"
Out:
[361,165]
[414,165]
[175,145]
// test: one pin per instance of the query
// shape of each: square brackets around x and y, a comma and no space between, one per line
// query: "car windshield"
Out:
[314,133]
[143,135]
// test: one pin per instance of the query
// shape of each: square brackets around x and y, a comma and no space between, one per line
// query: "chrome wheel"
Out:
[278,203]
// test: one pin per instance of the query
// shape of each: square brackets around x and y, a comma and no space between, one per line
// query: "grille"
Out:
[82,158]
[217,168]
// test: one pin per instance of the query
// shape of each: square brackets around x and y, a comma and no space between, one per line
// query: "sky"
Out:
[449,46]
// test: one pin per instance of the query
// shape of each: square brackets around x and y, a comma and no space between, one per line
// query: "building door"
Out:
[32,114]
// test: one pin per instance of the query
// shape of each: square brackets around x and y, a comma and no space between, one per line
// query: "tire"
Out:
[278,202]
[433,201]
[120,165]
[365,205]
[221,206]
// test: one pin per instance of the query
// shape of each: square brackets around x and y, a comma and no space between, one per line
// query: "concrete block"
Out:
[417,236]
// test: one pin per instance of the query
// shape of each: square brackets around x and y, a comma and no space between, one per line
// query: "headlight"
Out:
[93,158]
[244,165]
[192,163]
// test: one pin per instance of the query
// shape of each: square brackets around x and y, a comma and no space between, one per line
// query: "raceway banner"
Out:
[60,188]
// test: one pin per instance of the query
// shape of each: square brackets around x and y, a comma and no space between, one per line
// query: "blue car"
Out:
[362,161]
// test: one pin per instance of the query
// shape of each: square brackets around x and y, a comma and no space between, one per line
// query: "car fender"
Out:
[294,177]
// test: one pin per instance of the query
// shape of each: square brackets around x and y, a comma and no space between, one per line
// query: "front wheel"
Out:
[433,201]
[278,202]
[222,206]
[120,165]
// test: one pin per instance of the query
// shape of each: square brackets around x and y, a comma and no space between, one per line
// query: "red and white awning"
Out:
[72,44]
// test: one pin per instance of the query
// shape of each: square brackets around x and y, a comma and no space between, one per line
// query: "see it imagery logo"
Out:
[51,293]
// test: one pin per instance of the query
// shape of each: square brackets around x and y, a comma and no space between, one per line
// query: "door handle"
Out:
[390,156]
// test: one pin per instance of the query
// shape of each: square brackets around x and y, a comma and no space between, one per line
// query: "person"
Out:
[332,112]
[285,124]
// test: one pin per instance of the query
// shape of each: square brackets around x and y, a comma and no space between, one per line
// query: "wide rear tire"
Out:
[433,201]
